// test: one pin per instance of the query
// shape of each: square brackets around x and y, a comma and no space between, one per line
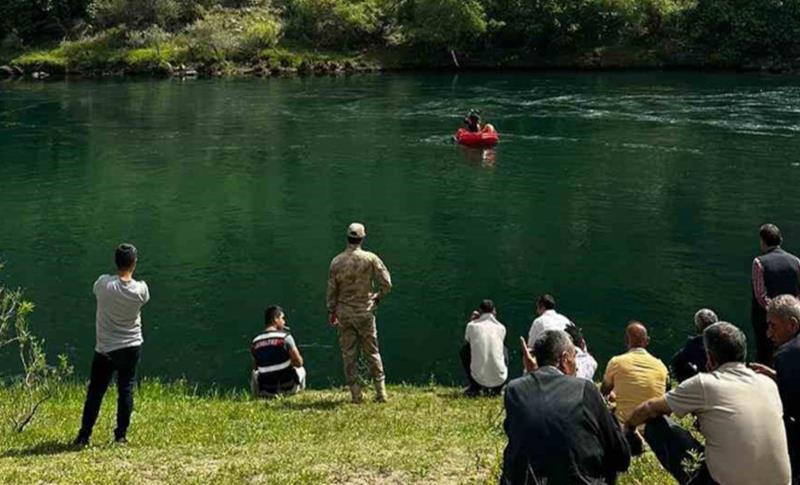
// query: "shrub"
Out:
[38,380]
[343,24]
[141,14]
[224,34]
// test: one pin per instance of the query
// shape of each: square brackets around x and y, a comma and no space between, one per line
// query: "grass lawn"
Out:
[425,434]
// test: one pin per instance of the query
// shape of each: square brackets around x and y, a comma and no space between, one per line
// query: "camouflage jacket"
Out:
[353,276]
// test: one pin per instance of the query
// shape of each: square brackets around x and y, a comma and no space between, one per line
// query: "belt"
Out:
[274,368]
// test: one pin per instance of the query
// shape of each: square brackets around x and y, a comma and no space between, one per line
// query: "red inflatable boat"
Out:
[485,138]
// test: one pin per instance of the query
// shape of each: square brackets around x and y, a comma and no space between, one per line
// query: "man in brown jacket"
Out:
[351,301]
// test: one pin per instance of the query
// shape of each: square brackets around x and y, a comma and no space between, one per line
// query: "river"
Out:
[626,195]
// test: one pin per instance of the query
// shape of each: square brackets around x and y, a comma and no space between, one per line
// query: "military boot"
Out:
[380,391]
[355,394]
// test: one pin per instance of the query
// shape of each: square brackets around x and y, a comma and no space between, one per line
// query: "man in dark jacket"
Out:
[691,359]
[559,428]
[783,315]
[775,272]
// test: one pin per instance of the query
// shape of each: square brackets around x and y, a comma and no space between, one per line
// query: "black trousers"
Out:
[764,346]
[123,362]
[671,445]
[474,387]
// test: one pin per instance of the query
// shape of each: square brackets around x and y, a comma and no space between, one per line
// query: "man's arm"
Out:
[759,288]
[383,277]
[608,378]
[648,410]
[616,450]
[294,353]
[764,370]
[332,292]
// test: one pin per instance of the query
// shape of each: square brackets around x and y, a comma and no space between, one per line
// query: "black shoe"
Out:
[472,392]
[121,440]
[80,442]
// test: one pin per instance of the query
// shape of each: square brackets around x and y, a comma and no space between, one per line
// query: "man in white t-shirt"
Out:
[739,412]
[546,319]
[119,339]
[484,355]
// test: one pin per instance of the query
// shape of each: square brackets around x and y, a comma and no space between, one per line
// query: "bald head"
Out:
[636,335]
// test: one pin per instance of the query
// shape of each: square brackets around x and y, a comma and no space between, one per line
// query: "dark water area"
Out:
[626,195]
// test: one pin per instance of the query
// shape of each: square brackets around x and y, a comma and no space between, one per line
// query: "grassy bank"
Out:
[423,435]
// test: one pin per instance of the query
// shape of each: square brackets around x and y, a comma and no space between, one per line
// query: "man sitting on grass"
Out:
[484,355]
[277,363]
[635,376]
[691,359]
[739,413]
[559,428]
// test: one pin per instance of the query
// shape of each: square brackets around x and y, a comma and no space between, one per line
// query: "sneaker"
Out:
[121,440]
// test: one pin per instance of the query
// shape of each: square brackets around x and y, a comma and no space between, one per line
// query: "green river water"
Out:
[626,195]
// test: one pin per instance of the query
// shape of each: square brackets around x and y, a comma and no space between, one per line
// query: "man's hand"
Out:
[528,360]
[333,320]
[764,370]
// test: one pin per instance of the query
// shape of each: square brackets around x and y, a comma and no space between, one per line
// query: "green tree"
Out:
[445,23]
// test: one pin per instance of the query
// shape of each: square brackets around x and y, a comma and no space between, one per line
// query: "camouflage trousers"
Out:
[359,331]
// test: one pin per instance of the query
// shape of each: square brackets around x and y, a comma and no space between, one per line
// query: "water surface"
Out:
[633,195]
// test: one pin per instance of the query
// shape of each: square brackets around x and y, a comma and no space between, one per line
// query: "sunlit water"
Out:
[625,195]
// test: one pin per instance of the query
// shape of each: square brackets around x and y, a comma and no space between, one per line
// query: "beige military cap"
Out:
[356,229]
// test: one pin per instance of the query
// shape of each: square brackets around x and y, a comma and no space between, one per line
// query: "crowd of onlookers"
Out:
[562,428]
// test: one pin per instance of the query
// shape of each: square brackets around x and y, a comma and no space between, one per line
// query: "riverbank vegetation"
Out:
[264,37]
[424,434]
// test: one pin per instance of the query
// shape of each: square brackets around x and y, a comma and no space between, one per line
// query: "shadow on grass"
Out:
[42,449]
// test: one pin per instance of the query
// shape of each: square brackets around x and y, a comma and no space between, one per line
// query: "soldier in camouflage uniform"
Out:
[351,300]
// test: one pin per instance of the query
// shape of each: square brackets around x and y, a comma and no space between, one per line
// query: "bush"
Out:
[224,34]
[38,380]
[170,15]
[342,24]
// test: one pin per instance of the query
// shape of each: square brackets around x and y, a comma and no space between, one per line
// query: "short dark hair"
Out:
[125,256]
[770,234]
[486,306]
[575,333]
[546,301]
[548,348]
[354,240]
[725,343]
[271,313]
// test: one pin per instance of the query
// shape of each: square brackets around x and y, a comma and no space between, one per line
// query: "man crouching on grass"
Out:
[119,338]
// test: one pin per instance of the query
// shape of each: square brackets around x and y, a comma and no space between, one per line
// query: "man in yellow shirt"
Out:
[635,376]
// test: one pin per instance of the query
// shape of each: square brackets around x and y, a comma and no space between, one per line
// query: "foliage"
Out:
[446,23]
[37,20]
[341,24]
[39,380]
[232,34]
[745,28]
[140,14]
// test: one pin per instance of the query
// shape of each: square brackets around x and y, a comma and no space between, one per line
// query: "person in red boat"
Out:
[473,122]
